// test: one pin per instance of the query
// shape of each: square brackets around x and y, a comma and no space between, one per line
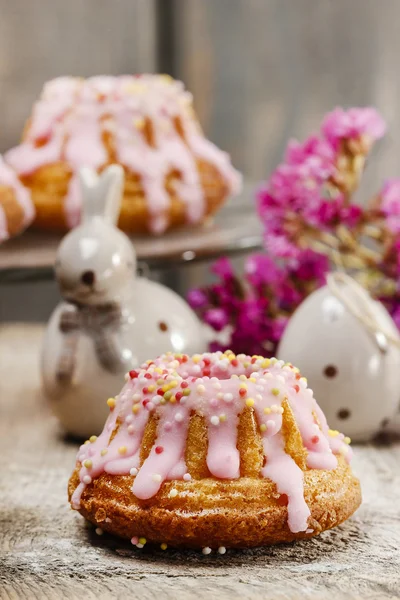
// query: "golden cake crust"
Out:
[16,207]
[211,513]
[146,124]
[13,211]
[49,186]
[207,466]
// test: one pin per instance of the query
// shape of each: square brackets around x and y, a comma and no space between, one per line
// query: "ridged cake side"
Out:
[145,123]
[214,416]
[212,513]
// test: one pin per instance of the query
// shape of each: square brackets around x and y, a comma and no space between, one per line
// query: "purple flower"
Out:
[255,310]
[289,297]
[352,124]
[217,346]
[280,246]
[351,215]
[396,316]
[197,298]
[305,198]
[260,269]
[396,253]
[278,327]
[217,318]
[312,267]
[324,213]
[223,268]
[316,151]
[301,197]
[390,204]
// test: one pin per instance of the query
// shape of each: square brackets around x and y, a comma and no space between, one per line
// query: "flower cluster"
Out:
[253,310]
[311,190]
[310,223]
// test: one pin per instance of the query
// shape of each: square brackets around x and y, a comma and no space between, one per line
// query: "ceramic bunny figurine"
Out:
[347,346]
[110,321]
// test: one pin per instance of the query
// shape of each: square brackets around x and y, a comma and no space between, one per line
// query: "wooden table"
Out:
[47,551]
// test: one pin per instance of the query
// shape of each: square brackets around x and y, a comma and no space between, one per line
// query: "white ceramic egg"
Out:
[353,368]
[110,321]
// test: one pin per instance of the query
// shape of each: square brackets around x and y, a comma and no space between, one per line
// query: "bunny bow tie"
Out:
[100,323]
[92,319]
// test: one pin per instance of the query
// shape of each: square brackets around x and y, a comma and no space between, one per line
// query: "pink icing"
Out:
[72,115]
[288,477]
[60,95]
[9,178]
[223,458]
[26,158]
[217,386]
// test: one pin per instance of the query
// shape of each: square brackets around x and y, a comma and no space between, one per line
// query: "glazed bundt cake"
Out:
[16,208]
[146,123]
[215,451]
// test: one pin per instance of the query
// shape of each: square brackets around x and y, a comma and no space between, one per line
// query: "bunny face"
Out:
[95,263]
[354,373]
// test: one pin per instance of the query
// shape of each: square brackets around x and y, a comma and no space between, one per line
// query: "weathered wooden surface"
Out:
[42,39]
[46,551]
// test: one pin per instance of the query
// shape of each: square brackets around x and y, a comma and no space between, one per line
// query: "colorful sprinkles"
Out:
[217,386]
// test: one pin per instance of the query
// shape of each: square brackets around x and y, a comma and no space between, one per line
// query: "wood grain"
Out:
[47,551]
[42,39]
[263,71]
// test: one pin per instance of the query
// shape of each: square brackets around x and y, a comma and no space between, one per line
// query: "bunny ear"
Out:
[101,194]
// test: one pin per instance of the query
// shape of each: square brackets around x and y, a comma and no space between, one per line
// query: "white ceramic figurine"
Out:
[110,321]
[347,346]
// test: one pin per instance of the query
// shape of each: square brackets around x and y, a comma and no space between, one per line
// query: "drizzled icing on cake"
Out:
[73,115]
[9,179]
[218,387]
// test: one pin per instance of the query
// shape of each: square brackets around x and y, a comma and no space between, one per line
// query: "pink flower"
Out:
[217,318]
[296,194]
[197,299]
[396,316]
[280,246]
[223,268]
[396,253]
[390,204]
[300,199]
[353,123]
[217,347]
[315,150]
[260,269]
[312,267]
[351,215]
[324,213]
[278,327]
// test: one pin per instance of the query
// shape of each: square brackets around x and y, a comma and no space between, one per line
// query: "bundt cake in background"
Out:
[146,123]
[16,208]
[215,451]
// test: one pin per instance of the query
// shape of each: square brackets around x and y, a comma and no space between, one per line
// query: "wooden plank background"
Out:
[260,70]
[264,70]
[42,39]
